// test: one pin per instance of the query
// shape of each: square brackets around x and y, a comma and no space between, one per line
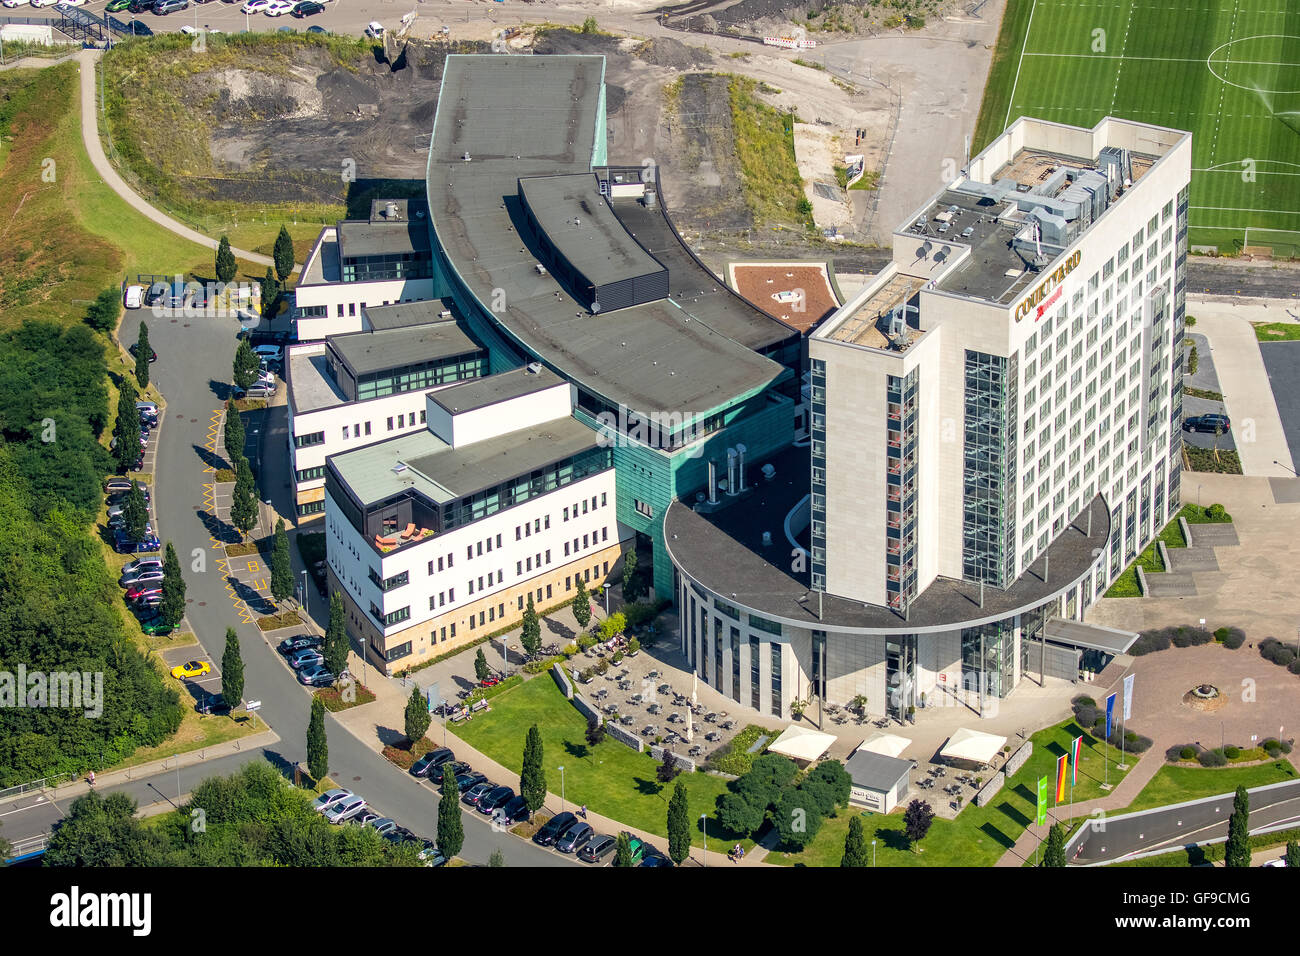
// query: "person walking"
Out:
[90,778]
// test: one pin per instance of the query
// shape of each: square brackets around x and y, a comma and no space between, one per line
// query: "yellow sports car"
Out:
[191,669]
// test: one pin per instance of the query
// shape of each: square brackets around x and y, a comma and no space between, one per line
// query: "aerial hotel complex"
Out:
[994,434]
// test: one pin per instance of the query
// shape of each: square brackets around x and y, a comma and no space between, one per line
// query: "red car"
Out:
[141,591]
[490,681]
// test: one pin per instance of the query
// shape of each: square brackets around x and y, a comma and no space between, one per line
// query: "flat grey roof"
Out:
[724,552]
[1093,636]
[378,351]
[879,772]
[310,386]
[490,389]
[359,237]
[443,473]
[323,267]
[583,229]
[659,356]
[405,314]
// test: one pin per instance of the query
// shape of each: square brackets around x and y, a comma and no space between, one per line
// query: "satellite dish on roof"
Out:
[595,305]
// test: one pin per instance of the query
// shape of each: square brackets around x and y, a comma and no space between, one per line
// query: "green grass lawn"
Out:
[980,835]
[1276,331]
[1177,784]
[610,778]
[1195,514]
[1126,584]
[1228,70]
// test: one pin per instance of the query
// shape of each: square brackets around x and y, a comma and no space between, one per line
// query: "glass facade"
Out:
[735,663]
[988,650]
[396,265]
[900,490]
[989,471]
[755,687]
[776,679]
[408,378]
[525,487]
[818,504]
[900,674]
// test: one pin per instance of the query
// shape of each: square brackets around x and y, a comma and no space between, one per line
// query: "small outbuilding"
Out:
[879,780]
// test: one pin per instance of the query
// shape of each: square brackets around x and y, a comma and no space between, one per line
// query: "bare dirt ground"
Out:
[768,286]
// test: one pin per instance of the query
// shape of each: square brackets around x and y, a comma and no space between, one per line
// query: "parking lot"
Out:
[1206,379]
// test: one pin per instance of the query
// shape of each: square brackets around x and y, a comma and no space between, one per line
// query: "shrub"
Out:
[587,641]
[1216,512]
[1086,717]
[1232,752]
[639,612]
[1190,636]
[1274,651]
[1130,742]
[1294,666]
[1175,754]
[1286,746]
[569,650]
[1230,637]
[603,666]
[1083,700]
[1212,758]
[1187,753]
[616,657]
[1149,642]
[1271,743]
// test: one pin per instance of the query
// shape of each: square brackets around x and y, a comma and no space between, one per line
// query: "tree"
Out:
[595,730]
[417,716]
[103,312]
[226,267]
[1293,853]
[246,365]
[668,768]
[623,852]
[582,605]
[1054,853]
[1236,852]
[629,573]
[481,669]
[855,844]
[283,254]
[143,352]
[337,644]
[172,608]
[451,829]
[532,778]
[232,672]
[318,751]
[497,858]
[243,502]
[832,775]
[234,434]
[612,626]
[797,817]
[6,849]
[916,821]
[740,815]
[126,430]
[135,513]
[270,294]
[530,633]
[589,25]
[281,564]
[679,825]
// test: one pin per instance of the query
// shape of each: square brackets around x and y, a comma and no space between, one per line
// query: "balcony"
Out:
[411,534]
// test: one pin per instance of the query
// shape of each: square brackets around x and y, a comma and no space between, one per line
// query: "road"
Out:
[1168,828]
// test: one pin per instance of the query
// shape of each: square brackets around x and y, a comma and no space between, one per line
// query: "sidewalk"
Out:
[114,777]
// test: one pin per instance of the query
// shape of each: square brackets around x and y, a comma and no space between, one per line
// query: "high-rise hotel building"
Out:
[995,433]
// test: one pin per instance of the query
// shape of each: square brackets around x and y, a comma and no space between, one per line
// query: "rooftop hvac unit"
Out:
[534,368]
[767,539]
[465,156]
[769,472]
[541,269]
[390,210]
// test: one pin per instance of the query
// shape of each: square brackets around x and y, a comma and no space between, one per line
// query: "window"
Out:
[345,433]
[602,499]
[306,441]
[566,514]
[390,423]
[548,555]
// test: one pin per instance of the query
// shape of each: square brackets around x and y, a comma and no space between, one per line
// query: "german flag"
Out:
[1060,777]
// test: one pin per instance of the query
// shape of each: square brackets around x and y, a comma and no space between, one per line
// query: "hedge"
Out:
[1274,651]
[1230,637]
[1212,758]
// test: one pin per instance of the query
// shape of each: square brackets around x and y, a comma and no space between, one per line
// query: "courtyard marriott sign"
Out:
[1040,296]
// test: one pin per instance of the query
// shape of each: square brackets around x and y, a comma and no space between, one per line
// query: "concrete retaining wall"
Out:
[562,679]
[585,708]
[990,789]
[683,763]
[1017,759]
[625,736]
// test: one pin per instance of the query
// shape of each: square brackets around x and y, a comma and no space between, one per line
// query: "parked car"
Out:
[140,591]
[329,798]
[272,353]
[575,838]
[466,780]
[141,6]
[301,642]
[114,486]
[638,848]
[142,579]
[1207,423]
[382,825]
[513,812]
[477,792]
[307,8]
[191,669]
[213,705]
[149,407]
[399,835]
[118,523]
[375,30]
[494,800]
[153,354]
[364,817]
[142,564]
[254,6]
[277,7]
[152,623]
[137,27]
[118,497]
[345,809]
[164,7]
[317,675]
[317,28]
[149,602]
[554,828]
[123,543]
[256,391]
[654,858]
[133,298]
[431,761]
[598,847]
[432,856]
[306,657]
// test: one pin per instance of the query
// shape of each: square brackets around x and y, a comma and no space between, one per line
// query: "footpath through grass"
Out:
[979,836]
[610,778]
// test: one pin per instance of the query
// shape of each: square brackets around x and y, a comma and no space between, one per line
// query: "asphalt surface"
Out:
[1282,360]
[193,363]
[1174,827]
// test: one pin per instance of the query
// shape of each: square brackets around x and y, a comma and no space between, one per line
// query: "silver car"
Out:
[307,657]
[345,809]
[329,798]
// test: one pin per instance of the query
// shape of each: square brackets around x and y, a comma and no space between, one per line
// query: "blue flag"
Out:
[1110,710]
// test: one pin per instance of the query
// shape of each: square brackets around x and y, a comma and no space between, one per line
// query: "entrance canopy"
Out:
[891,745]
[801,743]
[973,745]
[1094,637]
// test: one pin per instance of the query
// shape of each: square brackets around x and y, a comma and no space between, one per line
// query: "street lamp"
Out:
[562,803]
[873,852]
[704,825]
[505,654]
[606,587]
[304,593]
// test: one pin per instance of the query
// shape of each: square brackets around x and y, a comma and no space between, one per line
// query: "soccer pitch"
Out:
[1228,70]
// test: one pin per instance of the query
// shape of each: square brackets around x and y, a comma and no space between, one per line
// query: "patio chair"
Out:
[408,531]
